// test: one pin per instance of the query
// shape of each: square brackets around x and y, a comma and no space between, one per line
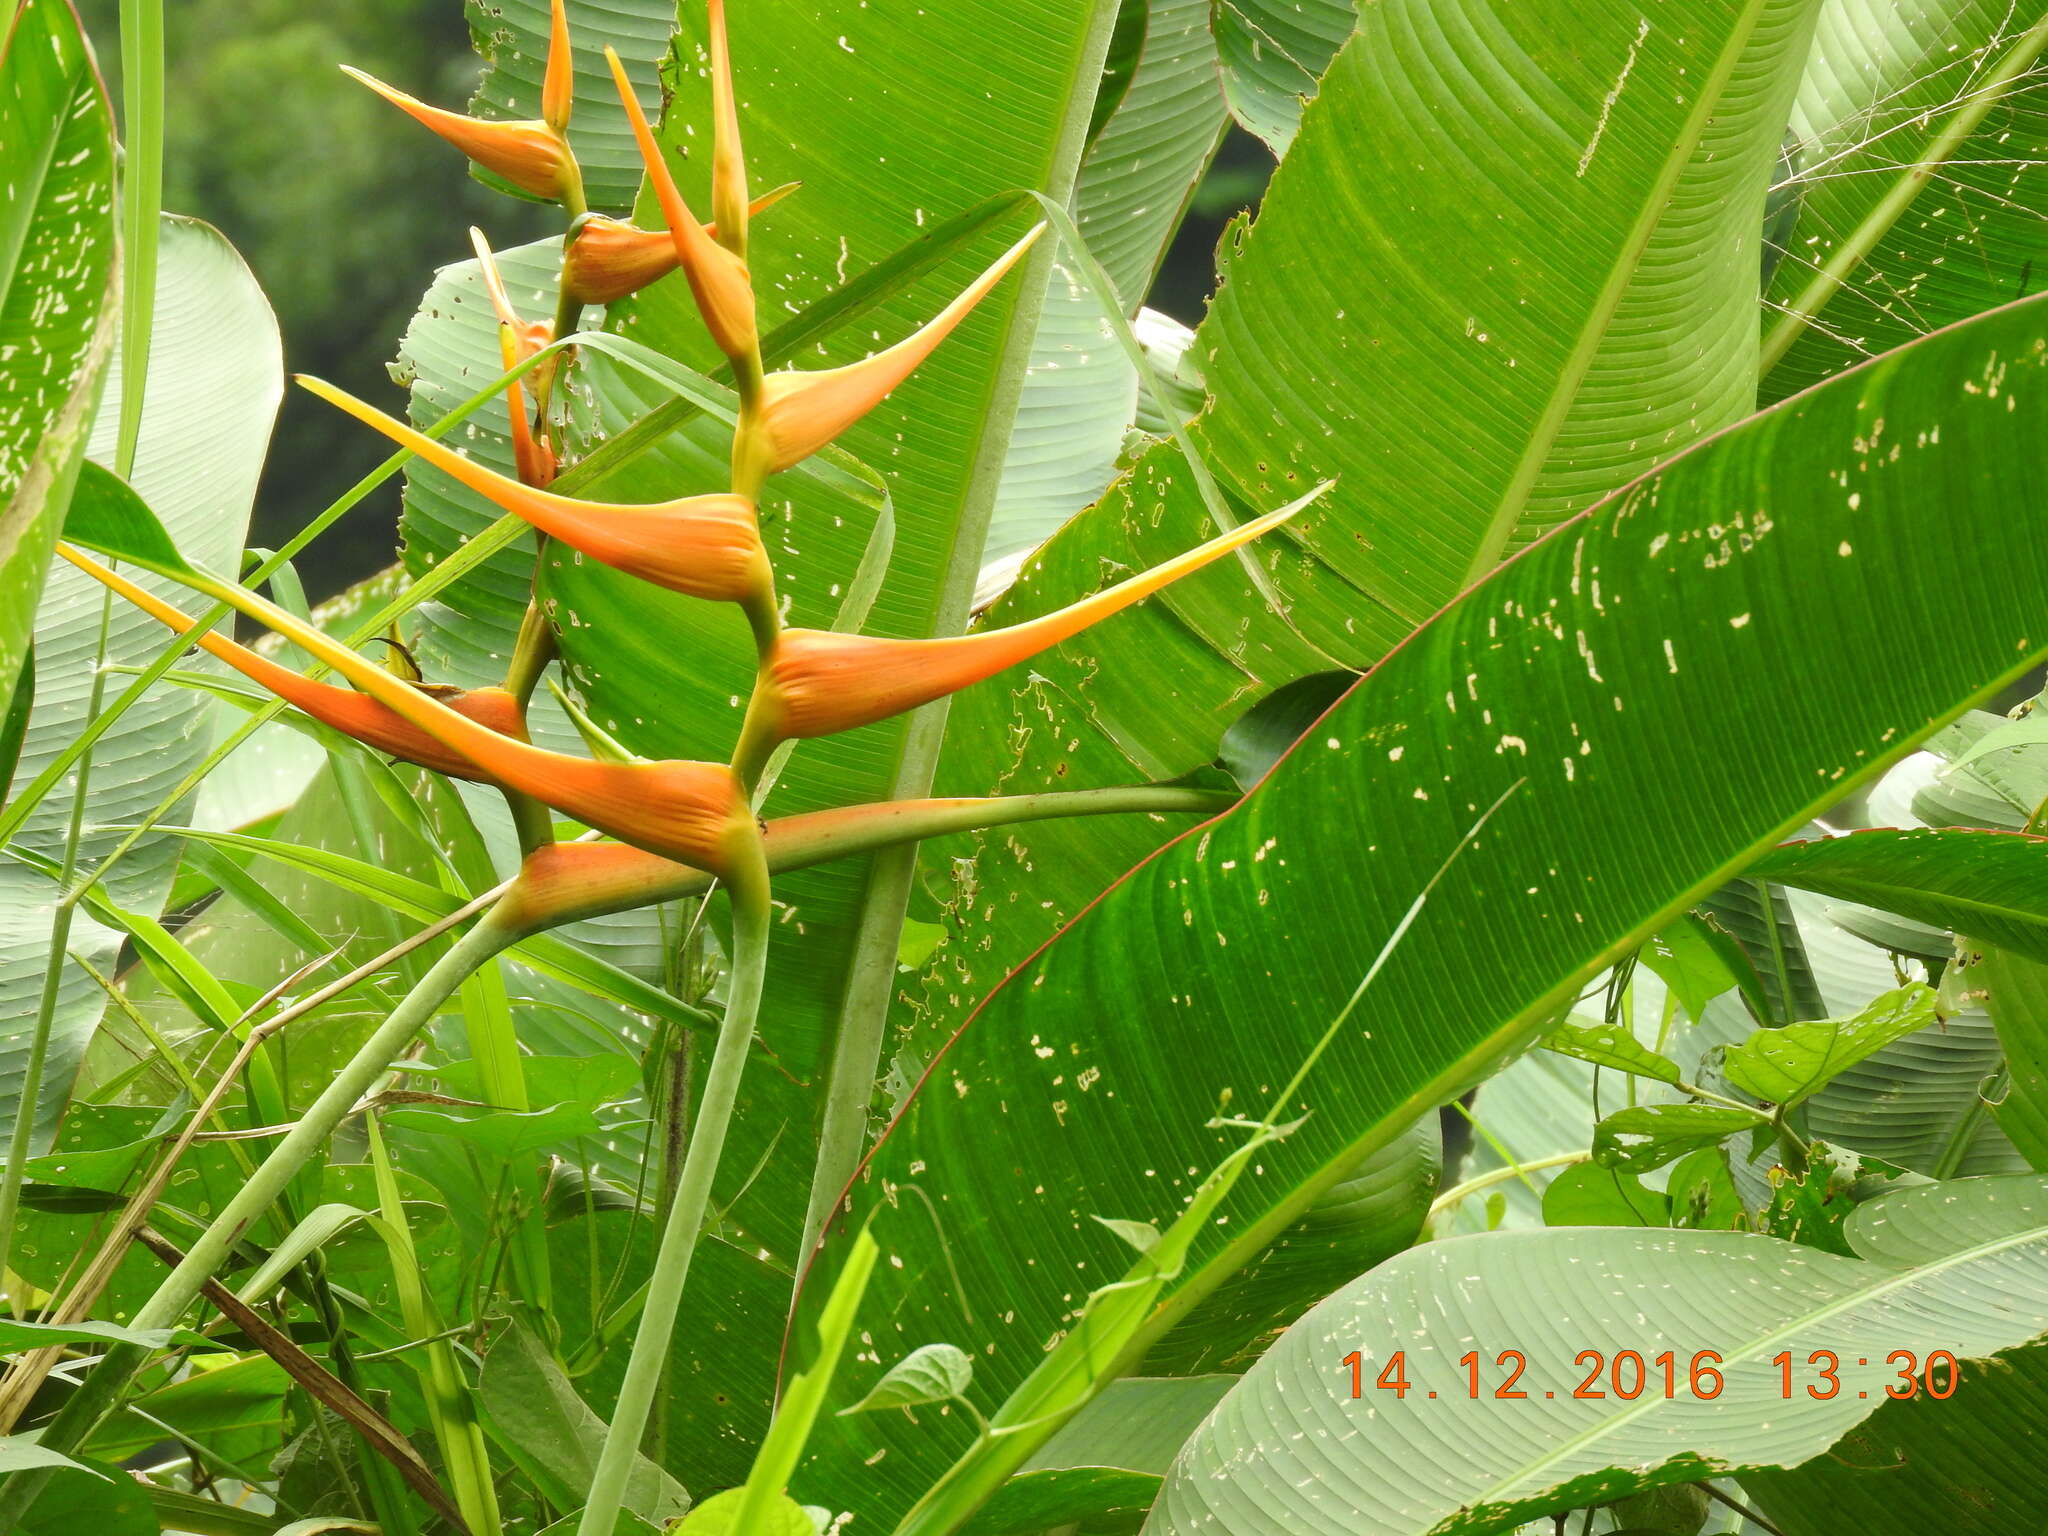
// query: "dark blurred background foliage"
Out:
[344,208]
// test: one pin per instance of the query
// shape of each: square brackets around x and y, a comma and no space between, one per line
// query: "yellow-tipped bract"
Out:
[706,546]
[718,278]
[819,682]
[803,411]
[517,341]
[558,84]
[369,721]
[525,151]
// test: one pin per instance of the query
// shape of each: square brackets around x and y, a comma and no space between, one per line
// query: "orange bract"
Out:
[706,546]
[818,682]
[526,152]
[718,278]
[608,258]
[803,411]
[354,714]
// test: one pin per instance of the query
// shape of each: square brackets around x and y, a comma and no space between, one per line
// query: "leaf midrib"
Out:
[1564,394]
[1892,1280]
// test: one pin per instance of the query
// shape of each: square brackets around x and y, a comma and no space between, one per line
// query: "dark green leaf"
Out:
[1786,1066]
[1990,885]
[1590,1195]
[1651,1135]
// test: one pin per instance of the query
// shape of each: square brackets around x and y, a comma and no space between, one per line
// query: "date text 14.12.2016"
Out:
[1627,1375]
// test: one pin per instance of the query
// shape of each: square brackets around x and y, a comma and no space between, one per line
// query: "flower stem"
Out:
[750,909]
[100,1392]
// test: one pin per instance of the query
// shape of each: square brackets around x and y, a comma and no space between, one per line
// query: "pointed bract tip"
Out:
[728,163]
[804,410]
[558,85]
[525,152]
[718,278]
[820,683]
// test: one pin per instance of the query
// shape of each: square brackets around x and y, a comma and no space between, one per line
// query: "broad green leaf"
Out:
[1080,393]
[58,288]
[1273,52]
[1610,1045]
[1288,1446]
[936,1373]
[1990,885]
[1651,1135]
[1790,1065]
[236,1410]
[1685,958]
[534,1414]
[91,1496]
[1368,332]
[215,375]
[1142,164]
[1919,144]
[1590,1195]
[1963,1463]
[512,37]
[1213,968]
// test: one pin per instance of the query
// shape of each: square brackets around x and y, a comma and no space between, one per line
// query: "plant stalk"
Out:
[751,914]
[100,1392]
[21,1139]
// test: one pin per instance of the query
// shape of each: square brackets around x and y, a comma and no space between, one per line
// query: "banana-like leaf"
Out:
[1290,1449]
[1990,885]
[1964,1463]
[1207,975]
[1919,160]
[1142,165]
[58,290]
[1080,394]
[215,376]
[1273,52]
[512,37]
[1337,350]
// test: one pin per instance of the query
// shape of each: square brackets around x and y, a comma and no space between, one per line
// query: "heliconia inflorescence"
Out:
[707,545]
[679,825]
